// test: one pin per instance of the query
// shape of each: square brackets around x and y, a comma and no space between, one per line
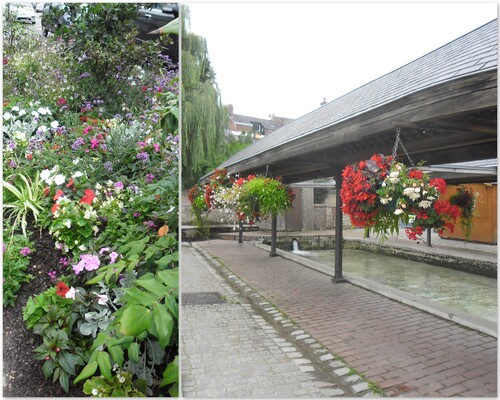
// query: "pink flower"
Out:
[113,256]
[103,250]
[87,262]
[156,147]
[102,299]
[94,143]
[25,251]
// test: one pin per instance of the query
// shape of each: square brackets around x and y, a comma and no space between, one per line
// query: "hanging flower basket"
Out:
[465,199]
[381,194]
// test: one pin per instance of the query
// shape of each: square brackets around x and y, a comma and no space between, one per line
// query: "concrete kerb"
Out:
[306,352]
[470,321]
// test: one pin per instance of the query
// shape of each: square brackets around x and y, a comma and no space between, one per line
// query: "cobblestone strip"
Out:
[332,375]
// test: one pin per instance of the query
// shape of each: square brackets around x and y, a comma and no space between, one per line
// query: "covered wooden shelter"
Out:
[444,104]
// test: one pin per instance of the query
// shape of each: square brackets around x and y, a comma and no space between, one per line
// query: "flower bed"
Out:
[105,186]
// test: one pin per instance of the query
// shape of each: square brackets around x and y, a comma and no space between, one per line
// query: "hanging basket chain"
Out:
[397,143]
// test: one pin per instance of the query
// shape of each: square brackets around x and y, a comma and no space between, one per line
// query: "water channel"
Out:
[463,291]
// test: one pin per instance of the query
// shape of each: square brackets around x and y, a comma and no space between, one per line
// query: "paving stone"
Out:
[326,357]
[360,387]
[332,392]
[341,371]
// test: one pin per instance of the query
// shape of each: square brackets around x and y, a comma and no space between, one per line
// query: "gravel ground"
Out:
[23,376]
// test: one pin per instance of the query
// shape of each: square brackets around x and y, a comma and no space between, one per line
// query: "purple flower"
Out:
[137,214]
[25,251]
[108,166]
[149,224]
[119,185]
[156,147]
[143,156]
[85,75]
[78,143]
[149,178]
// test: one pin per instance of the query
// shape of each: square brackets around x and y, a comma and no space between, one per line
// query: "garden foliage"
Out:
[91,155]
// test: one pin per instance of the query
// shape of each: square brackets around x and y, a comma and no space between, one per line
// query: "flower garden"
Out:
[90,196]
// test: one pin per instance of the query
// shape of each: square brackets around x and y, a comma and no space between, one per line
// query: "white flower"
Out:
[102,299]
[22,112]
[398,211]
[43,111]
[384,200]
[44,175]
[18,135]
[54,124]
[424,204]
[34,113]
[67,223]
[59,179]
[7,116]
[15,108]
[76,161]
[77,174]
[71,293]
[95,392]
[82,247]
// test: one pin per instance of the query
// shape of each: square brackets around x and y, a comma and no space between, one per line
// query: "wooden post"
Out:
[429,237]
[240,232]
[338,278]
[274,229]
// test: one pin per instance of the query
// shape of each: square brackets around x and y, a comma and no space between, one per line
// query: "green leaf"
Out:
[135,320]
[48,368]
[116,353]
[66,363]
[153,286]
[165,261]
[170,277]
[164,324]
[171,373]
[100,340]
[133,352]
[118,392]
[64,381]
[87,372]
[123,340]
[136,296]
[104,364]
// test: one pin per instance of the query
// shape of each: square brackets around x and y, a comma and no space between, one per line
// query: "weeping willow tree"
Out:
[204,118]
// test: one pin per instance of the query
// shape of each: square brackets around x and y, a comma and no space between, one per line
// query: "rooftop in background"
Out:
[243,123]
[446,100]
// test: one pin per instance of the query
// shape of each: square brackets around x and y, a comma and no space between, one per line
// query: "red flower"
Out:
[88,197]
[439,184]
[46,191]
[70,183]
[58,194]
[62,289]
[61,101]
[55,208]
[416,174]
[240,181]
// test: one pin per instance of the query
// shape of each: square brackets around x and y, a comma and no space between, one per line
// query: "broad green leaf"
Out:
[99,340]
[171,373]
[133,352]
[165,261]
[123,340]
[153,286]
[164,324]
[104,364]
[87,372]
[134,295]
[170,277]
[116,353]
[118,392]
[66,363]
[135,320]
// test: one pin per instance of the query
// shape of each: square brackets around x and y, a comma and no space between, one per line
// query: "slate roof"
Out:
[470,54]
[269,124]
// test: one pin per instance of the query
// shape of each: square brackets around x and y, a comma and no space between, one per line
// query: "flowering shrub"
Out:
[380,194]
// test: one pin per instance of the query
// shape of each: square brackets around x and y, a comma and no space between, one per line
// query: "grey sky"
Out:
[284,58]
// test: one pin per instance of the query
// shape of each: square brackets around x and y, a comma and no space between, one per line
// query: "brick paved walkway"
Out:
[405,351]
[229,350]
